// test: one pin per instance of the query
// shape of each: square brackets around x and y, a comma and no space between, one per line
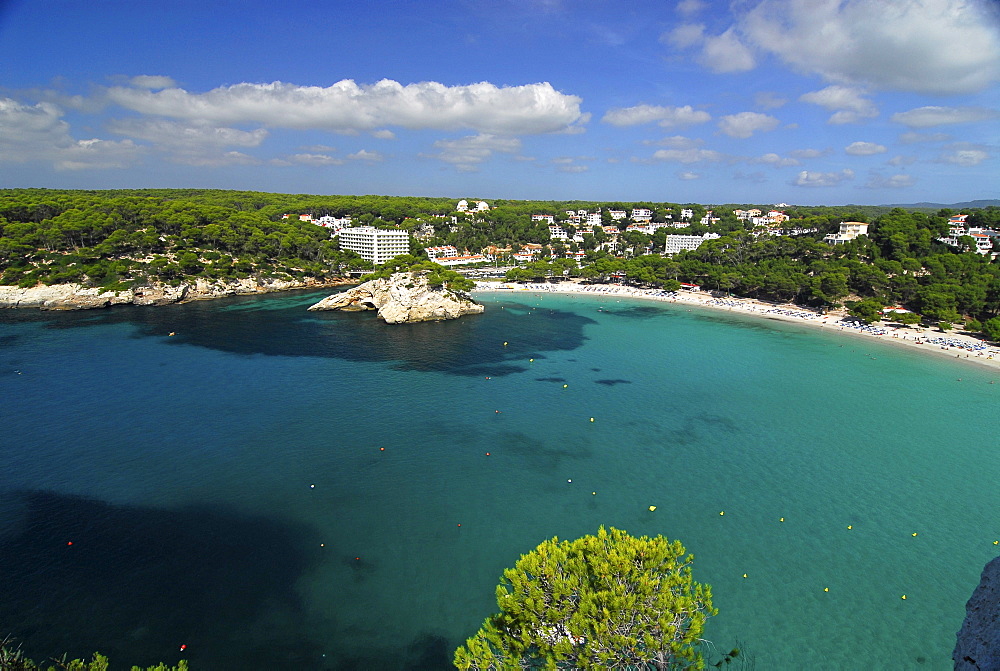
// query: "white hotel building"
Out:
[375,244]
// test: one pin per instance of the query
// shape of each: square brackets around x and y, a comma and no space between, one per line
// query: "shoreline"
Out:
[76,297]
[915,338]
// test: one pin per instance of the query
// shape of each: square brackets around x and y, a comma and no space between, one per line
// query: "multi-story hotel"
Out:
[375,244]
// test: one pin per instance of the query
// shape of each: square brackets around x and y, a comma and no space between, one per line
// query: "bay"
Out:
[278,489]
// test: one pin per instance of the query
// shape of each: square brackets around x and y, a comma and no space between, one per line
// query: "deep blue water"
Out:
[226,488]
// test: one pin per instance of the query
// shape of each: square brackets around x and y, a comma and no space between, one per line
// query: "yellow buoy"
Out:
[565,385]
[531,360]
[594,493]
[504,343]
[652,508]
[826,589]
[782,519]
[744,575]
[903,597]
[914,533]
[850,526]
[996,542]
[591,419]
[722,512]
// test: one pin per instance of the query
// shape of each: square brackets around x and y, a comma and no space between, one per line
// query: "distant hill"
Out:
[979,204]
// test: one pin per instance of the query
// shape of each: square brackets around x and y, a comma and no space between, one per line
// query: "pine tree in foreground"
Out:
[608,601]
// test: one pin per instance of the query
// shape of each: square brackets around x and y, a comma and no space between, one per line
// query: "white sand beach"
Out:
[929,340]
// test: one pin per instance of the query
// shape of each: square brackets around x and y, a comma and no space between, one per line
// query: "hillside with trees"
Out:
[116,240]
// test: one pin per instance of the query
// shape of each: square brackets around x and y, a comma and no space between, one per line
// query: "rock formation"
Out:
[978,644]
[77,297]
[403,298]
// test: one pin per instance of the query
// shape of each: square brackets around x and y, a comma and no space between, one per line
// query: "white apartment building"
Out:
[641,214]
[375,244]
[849,230]
[677,243]
[617,215]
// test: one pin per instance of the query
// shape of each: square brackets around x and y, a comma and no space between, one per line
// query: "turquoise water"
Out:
[226,489]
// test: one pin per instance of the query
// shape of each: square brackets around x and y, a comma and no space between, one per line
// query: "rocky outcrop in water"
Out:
[403,298]
[77,297]
[978,644]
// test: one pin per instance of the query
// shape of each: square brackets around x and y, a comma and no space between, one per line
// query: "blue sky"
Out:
[756,101]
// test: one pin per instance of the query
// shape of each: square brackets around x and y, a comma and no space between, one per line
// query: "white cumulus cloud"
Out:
[745,124]
[900,181]
[666,116]
[192,143]
[808,153]
[965,154]
[912,137]
[726,53]
[468,152]
[38,133]
[927,46]
[684,36]
[365,155]
[933,115]
[768,100]
[865,149]
[689,155]
[687,175]
[847,103]
[348,107]
[152,82]
[817,179]
[775,160]
[676,142]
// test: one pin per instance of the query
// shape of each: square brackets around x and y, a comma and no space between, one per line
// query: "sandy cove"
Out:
[928,340]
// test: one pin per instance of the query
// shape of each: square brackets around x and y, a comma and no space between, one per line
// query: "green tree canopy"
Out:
[609,601]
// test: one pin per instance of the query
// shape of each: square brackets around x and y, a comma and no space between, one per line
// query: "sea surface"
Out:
[275,489]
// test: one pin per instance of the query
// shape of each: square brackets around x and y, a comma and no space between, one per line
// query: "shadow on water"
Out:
[280,325]
[137,583]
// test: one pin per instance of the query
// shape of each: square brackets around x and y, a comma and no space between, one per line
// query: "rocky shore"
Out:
[78,297]
[403,298]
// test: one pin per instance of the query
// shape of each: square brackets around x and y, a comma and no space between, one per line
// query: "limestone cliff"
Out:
[978,644]
[77,297]
[403,298]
